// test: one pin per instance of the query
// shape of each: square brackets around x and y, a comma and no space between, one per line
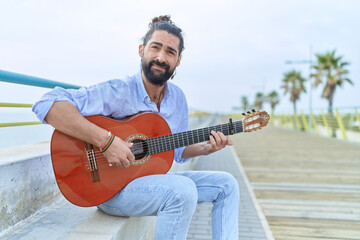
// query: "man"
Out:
[171,197]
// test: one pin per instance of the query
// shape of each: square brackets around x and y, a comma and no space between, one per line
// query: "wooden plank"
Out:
[331,188]
[300,177]
[309,202]
[302,238]
[311,215]
[304,171]
[316,232]
[314,196]
[313,223]
[314,208]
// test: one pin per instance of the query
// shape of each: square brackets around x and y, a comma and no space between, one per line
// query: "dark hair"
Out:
[164,23]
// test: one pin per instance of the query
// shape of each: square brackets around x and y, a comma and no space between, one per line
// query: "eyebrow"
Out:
[160,44]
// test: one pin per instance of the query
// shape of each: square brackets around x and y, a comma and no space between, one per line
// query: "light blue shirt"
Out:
[121,98]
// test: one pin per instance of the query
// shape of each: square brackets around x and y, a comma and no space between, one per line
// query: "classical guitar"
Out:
[84,175]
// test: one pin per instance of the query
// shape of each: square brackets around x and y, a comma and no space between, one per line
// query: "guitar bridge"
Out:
[92,163]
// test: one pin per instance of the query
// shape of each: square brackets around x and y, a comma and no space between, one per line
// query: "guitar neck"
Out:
[173,141]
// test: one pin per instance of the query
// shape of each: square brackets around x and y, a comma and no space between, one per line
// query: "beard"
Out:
[155,77]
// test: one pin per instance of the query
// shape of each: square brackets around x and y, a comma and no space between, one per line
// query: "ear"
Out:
[178,61]
[141,50]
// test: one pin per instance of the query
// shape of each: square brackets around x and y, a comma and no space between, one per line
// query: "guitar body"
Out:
[74,160]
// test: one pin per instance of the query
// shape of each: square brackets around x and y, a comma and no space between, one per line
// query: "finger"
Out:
[212,141]
[131,157]
[230,142]
[217,137]
[223,139]
[125,163]
[119,165]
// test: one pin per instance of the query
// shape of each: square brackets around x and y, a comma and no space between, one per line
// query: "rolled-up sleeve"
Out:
[97,99]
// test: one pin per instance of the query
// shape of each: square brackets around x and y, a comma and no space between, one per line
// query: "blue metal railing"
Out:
[17,78]
[22,79]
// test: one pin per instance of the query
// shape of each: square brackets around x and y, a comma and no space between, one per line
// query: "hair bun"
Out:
[162,18]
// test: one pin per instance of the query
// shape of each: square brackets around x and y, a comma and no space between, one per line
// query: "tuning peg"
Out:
[243,114]
[253,110]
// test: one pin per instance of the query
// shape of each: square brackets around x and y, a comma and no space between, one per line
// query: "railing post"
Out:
[285,121]
[314,124]
[341,124]
[292,122]
[272,119]
[305,122]
[326,124]
[357,117]
[297,122]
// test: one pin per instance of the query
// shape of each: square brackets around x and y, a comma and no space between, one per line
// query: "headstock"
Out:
[255,120]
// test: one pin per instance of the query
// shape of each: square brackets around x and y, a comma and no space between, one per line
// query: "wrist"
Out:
[103,139]
[107,145]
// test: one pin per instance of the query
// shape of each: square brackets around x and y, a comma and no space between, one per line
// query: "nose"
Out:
[161,57]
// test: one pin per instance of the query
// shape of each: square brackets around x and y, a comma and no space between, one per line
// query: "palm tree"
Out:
[331,69]
[273,99]
[259,100]
[293,83]
[244,103]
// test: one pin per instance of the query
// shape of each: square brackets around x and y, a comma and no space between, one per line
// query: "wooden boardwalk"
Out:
[308,186]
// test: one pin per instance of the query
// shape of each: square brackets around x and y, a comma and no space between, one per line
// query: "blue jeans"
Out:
[173,197]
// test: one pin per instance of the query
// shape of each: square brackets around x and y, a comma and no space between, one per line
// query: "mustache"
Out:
[164,65]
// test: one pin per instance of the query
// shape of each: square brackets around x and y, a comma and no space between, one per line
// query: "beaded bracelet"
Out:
[108,143]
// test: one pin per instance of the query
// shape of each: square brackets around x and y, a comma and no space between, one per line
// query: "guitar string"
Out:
[101,160]
[166,143]
[162,143]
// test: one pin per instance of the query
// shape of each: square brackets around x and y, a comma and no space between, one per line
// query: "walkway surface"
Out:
[251,225]
[308,186]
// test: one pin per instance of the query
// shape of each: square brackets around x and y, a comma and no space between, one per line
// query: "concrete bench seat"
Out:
[34,208]
[63,220]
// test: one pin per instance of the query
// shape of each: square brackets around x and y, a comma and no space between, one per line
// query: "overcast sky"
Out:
[232,48]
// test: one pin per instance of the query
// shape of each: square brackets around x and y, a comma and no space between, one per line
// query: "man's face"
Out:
[160,57]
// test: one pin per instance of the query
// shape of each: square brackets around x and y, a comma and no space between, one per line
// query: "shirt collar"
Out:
[142,89]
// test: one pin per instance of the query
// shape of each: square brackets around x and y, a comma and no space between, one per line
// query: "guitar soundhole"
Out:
[139,149]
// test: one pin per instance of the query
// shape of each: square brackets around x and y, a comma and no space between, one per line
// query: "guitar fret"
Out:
[163,143]
[196,136]
[225,129]
[192,137]
[183,140]
[203,135]
[186,143]
[159,144]
[176,141]
[170,142]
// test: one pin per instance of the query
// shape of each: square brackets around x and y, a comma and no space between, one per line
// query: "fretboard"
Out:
[173,141]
